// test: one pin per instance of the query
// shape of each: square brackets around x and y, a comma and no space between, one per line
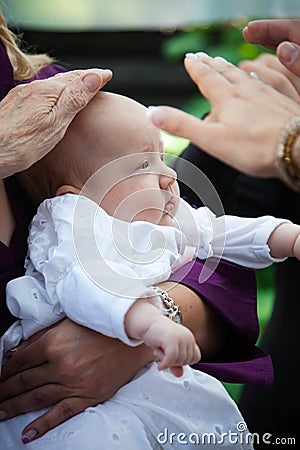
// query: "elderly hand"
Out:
[34,117]
[70,367]
[270,70]
[282,35]
[247,116]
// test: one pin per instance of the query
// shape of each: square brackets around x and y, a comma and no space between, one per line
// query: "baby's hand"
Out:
[285,241]
[173,345]
[296,248]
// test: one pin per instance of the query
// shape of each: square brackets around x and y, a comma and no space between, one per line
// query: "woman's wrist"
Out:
[288,154]
[208,328]
[296,152]
[169,307]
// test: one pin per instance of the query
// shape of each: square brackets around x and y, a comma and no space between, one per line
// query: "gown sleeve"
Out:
[241,240]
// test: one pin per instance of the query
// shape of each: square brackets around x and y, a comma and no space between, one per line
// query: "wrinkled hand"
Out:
[272,72]
[282,35]
[247,116]
[34,117]
[70,367]
[172,344]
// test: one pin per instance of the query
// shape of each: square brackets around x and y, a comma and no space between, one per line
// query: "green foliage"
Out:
[217,40]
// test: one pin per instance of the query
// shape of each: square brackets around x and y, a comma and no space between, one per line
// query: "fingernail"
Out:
[191,56]
[3,414]
[29,436]
[92,82]
[289,52]
[201,54]
[220,58]
[157,115]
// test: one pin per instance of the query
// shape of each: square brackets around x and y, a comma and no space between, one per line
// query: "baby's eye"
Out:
[144,165]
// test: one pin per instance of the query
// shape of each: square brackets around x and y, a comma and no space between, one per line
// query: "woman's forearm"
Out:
[199,317]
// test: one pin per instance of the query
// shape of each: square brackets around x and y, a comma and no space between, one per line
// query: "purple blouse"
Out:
[230,290]
[12,257]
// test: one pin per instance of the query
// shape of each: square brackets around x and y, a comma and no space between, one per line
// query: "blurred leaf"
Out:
[224,40]
[197,105]
[177,46]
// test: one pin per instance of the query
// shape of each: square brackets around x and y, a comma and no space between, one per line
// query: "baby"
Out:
[110,225]
[112,157]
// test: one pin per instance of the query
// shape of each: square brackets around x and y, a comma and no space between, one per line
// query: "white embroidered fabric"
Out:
[84,264]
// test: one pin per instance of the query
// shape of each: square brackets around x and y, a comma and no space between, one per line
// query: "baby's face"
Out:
[132,182]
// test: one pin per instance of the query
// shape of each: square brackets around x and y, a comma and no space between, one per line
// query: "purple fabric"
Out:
[46,72]
[6,73]
[12,257]
[7,81]
[231,292]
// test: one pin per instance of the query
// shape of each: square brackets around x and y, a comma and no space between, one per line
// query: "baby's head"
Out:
[112,150]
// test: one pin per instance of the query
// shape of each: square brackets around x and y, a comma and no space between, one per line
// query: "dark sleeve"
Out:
[231,291]
[46,72]
[6,73]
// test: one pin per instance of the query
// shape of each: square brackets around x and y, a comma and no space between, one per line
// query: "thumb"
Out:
[288,54]
[79,92]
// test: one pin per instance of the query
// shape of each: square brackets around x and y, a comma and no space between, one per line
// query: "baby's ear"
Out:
[67,189]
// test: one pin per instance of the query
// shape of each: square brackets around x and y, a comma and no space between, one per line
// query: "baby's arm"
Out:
[285,241]
[173,344]
[241,240]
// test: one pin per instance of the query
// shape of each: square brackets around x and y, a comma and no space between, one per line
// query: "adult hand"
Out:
[70,367]
[272,72]
[246,120]
[282,35]
[34,117]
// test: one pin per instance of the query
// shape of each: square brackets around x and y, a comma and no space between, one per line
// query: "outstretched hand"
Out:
[246,120]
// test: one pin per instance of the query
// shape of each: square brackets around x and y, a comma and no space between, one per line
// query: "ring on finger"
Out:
[254,75]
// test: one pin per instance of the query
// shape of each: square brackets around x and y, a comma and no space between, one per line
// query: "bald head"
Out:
[109,127]
[107,124]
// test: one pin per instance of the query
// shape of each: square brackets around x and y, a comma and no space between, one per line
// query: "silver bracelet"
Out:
[171,310]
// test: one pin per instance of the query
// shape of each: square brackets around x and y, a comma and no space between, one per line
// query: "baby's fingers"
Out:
[168,359]
[196,355]
[177,371]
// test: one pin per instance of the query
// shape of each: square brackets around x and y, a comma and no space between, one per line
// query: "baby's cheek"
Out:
[152,215]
